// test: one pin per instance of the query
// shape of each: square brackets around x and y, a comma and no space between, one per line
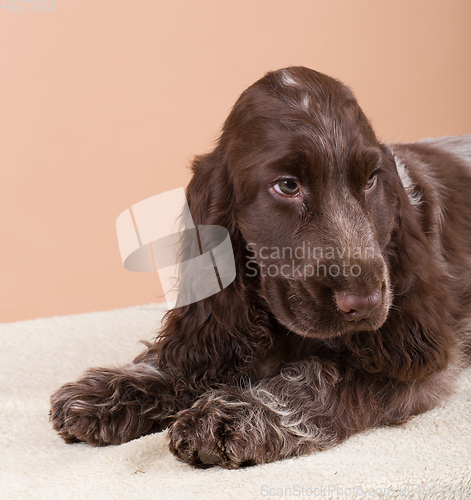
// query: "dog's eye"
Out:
[287,187]
[371,181]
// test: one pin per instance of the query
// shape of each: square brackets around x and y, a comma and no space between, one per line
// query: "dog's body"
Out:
[367,325]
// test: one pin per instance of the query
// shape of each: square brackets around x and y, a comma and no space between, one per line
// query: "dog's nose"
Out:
[356,306]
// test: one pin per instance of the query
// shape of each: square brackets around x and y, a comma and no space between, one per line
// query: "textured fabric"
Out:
[429,457]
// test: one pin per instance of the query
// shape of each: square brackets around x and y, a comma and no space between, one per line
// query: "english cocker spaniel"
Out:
[351,307]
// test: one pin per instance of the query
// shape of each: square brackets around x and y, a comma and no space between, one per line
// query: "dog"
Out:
[351,304]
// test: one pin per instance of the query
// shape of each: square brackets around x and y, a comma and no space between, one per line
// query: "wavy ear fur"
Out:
[216,338]
[418,337]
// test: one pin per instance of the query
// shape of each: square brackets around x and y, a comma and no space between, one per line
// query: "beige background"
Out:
[104,103]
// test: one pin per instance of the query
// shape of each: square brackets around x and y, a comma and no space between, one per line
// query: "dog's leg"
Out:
[194,352]
[310,406]
[112,406]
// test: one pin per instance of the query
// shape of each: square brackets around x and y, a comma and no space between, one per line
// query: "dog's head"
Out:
[308,194]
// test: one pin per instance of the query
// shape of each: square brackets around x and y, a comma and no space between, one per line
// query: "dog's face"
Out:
[315,202]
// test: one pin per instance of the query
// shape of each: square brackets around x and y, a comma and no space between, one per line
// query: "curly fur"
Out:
[279,365]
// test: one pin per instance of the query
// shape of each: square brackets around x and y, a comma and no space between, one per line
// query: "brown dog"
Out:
[351,306]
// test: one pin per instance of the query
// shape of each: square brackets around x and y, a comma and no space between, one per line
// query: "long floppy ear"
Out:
[417,338]
[214,339]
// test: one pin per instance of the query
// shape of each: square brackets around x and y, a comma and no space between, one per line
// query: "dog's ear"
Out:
[210,191]
[211,198]
[418,337]
[222,333]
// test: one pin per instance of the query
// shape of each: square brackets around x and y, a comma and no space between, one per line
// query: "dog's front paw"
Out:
[109,407]
[74,416]
[81,412]
[214,431]
[113,406]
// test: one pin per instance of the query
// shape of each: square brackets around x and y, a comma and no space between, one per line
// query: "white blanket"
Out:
[429,457]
